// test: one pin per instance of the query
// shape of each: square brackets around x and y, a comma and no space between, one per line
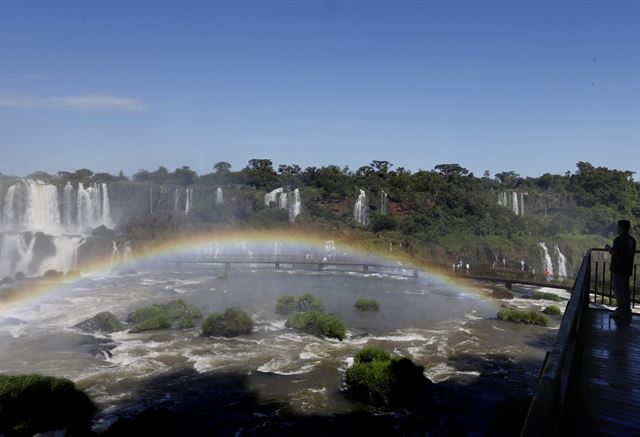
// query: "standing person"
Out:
[622,254]
[546,274]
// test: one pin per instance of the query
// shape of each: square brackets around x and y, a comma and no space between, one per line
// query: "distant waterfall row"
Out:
[361,207]
[548,263]
[35,206]
[289,201]
[178,199]
[512,201]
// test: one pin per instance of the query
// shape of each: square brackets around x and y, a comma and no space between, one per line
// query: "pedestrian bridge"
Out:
[590,380]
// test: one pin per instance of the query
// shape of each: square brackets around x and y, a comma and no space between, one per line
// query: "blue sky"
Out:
[532,87]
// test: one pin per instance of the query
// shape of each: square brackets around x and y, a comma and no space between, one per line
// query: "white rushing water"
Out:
[272,196]
[514,203]
[219,197]
[294,208]
[361,209]
[562,263]
[548,265]
[383,203]
[35,214]
[189,200]
[282,202]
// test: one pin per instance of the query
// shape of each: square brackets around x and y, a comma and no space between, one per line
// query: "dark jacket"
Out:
[623,252]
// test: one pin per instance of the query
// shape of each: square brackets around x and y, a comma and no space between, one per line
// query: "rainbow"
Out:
[37,290]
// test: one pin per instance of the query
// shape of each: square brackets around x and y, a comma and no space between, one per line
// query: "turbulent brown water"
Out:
[277,381]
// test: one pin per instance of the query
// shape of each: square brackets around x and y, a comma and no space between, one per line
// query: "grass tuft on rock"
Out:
[307,302]
[31,404]
[318,324]
[367,305]
[163,316]
[552,310]
[231,323]
[501,293]
[103,322]
[523,317]
[546,296]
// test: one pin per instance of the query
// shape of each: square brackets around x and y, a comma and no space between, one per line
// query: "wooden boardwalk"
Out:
[608,398]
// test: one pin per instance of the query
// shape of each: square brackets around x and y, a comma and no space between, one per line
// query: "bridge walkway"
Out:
[608,394]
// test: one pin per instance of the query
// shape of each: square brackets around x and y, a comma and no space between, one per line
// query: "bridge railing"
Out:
[602,290]
[555,390]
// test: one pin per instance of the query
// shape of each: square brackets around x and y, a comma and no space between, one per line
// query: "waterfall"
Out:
[189,201]
[272,196]
[33,210]
[514,202]
[562,264]
[68,203]
[294,208]
[219,198]
[276,248]
[282,202]
[383,203]
[548,265]
[176,199]
[361,209]
[150,199]
[115,255]
[16,254]
[127,252]
[521,203]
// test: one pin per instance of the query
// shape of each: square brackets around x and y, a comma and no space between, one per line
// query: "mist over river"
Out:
[275,380]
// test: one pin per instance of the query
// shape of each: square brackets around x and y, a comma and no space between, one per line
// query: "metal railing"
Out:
[601,289]
[553,400]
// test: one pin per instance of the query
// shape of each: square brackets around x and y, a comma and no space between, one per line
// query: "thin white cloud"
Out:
[79,103]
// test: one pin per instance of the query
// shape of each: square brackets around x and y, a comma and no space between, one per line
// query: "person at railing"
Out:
[622,254]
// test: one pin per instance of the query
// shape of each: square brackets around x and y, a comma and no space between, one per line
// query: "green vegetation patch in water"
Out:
[546,296]
[552,310]
[231,323]
[162,316]
[307,302]
[316,323]
[530,317]
[367,305]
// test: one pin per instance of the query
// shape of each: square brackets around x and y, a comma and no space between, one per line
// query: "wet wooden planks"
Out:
[608,401]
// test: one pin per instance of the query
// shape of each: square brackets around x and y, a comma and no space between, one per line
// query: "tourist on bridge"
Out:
[622,254]
[547,274]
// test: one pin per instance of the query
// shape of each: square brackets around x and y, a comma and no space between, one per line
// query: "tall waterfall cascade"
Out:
[189,200]
[562,263]
[285,200]
[361,209]
[546,260]
[383,203]
[219,196]
[514,201]
[42,226]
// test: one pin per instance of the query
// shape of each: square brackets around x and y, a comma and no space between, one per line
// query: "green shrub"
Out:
[501,293]
[151,324]
[547,296]
[32,403]
[223,275]
[104,322]
[307,302]
[367,305]
[286,304]
[378,378]
[316,323]
[231,323]
[552,310]
[176,312]
[525,317]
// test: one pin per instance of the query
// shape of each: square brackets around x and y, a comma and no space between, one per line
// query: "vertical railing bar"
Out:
[635,271]
[595,289]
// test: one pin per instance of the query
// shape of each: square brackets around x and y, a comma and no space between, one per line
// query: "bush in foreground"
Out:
[524,317]
[230,323]
[552,310]
[378,378]
[307,302]
[32,403]
[367,305]
[162,316]
[546,296]
[316,323]
[501,293]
